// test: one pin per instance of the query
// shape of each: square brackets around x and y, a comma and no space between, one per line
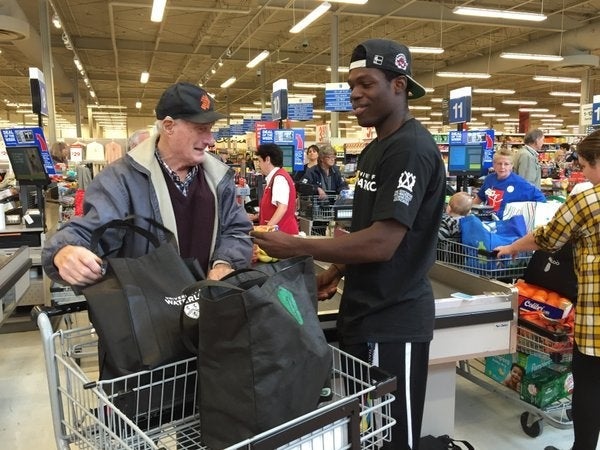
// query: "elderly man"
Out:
[526,161]
[171,178]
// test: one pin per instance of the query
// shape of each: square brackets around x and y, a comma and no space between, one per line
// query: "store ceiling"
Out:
[116,41]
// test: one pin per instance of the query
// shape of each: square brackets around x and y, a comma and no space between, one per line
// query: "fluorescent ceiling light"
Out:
[428,50]
[552,120]
[258,59]
[299,84]
[571,105]
[158,9]
[435,113]
[250,108]
[312,16]
[498,14]
[557,79]
[565,94]
[415,107]
[531,56]
[56,21]
[342,69]
[495,115]
[144,77]
[228,83]
[483,108]
[463,75]
[538,115]
[534,109]
[493,91]
[92,94]
[520,102]
[574,111]
[138,104]
[429,90]
[350,2]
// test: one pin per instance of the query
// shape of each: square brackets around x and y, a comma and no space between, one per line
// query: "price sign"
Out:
[459,105]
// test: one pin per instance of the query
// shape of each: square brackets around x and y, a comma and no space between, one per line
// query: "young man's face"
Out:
[373,97]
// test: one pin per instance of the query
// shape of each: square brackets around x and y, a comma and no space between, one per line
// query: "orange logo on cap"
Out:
[204,102]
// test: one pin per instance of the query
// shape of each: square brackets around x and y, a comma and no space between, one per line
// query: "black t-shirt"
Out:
[401,177]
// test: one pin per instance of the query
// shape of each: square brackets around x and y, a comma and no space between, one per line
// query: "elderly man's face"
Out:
[187,141]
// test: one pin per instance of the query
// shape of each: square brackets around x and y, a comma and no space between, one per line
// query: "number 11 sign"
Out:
[459,106]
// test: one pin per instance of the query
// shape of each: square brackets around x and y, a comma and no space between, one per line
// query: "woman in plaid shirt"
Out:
[578,220]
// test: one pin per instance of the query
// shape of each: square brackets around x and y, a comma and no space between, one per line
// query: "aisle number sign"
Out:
[596,110]
[279,100]
[459,105]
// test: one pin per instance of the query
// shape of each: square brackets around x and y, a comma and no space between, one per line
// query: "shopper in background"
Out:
[387,309]
[578,221]
[526,161]
[504,186]
[224,155]
[137,137]
[326,175]
[60,153]
[249,163]
[312,156]
[170,178]
[459,206]
[278,202]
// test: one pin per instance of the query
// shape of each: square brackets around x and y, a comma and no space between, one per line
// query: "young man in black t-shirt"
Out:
[387,309]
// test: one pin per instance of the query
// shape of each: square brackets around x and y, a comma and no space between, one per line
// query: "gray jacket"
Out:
[135,184]
[526,164]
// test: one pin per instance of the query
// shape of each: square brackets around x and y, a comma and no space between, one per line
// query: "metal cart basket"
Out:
[480,261]
[315,213]
[530,340]
[157,409]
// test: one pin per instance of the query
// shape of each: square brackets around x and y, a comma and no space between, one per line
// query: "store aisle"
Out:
[484,418]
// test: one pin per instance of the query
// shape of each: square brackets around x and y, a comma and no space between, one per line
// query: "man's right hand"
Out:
[78,266]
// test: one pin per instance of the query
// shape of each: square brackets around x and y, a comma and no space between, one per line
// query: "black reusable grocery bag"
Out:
[135,308]
[554,271]
[262,357]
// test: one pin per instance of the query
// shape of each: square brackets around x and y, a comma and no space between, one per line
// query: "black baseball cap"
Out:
[188,102]
[387,55]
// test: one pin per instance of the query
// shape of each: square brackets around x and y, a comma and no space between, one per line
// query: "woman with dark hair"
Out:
[278,203]
[59,152]
[312,156]
[577,221]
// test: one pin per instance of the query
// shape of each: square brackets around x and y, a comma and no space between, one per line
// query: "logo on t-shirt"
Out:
[494,198]
[366,181]
[403,193]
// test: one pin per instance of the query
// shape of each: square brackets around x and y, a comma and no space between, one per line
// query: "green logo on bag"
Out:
[286,298]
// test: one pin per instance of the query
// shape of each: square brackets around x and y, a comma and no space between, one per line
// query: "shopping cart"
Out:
[157,409]
[319,212]
[531,339]
[480,261]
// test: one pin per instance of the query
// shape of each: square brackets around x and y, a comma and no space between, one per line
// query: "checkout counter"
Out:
[474,317]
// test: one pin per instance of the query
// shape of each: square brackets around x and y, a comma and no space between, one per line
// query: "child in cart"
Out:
[577,221]
[459,206]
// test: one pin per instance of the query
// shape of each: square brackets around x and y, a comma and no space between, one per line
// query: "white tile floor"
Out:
[485,418]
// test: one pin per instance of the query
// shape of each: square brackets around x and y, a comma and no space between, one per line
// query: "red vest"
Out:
[288,222]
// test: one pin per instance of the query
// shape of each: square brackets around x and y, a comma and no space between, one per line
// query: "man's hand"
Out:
[322,193]
[219,271]
[78,266]
[277,244]
[327,282]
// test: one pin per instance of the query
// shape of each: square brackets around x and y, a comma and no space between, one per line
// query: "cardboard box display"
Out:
[499,367]
[547,385]
[549,311]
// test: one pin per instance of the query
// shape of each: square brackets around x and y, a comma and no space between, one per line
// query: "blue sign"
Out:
[337,97]
[237,129]
[292,139]
[484,138]
[459,110]
[266,116]
[596,114]
[30,136]
[300,110]
[279,104]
